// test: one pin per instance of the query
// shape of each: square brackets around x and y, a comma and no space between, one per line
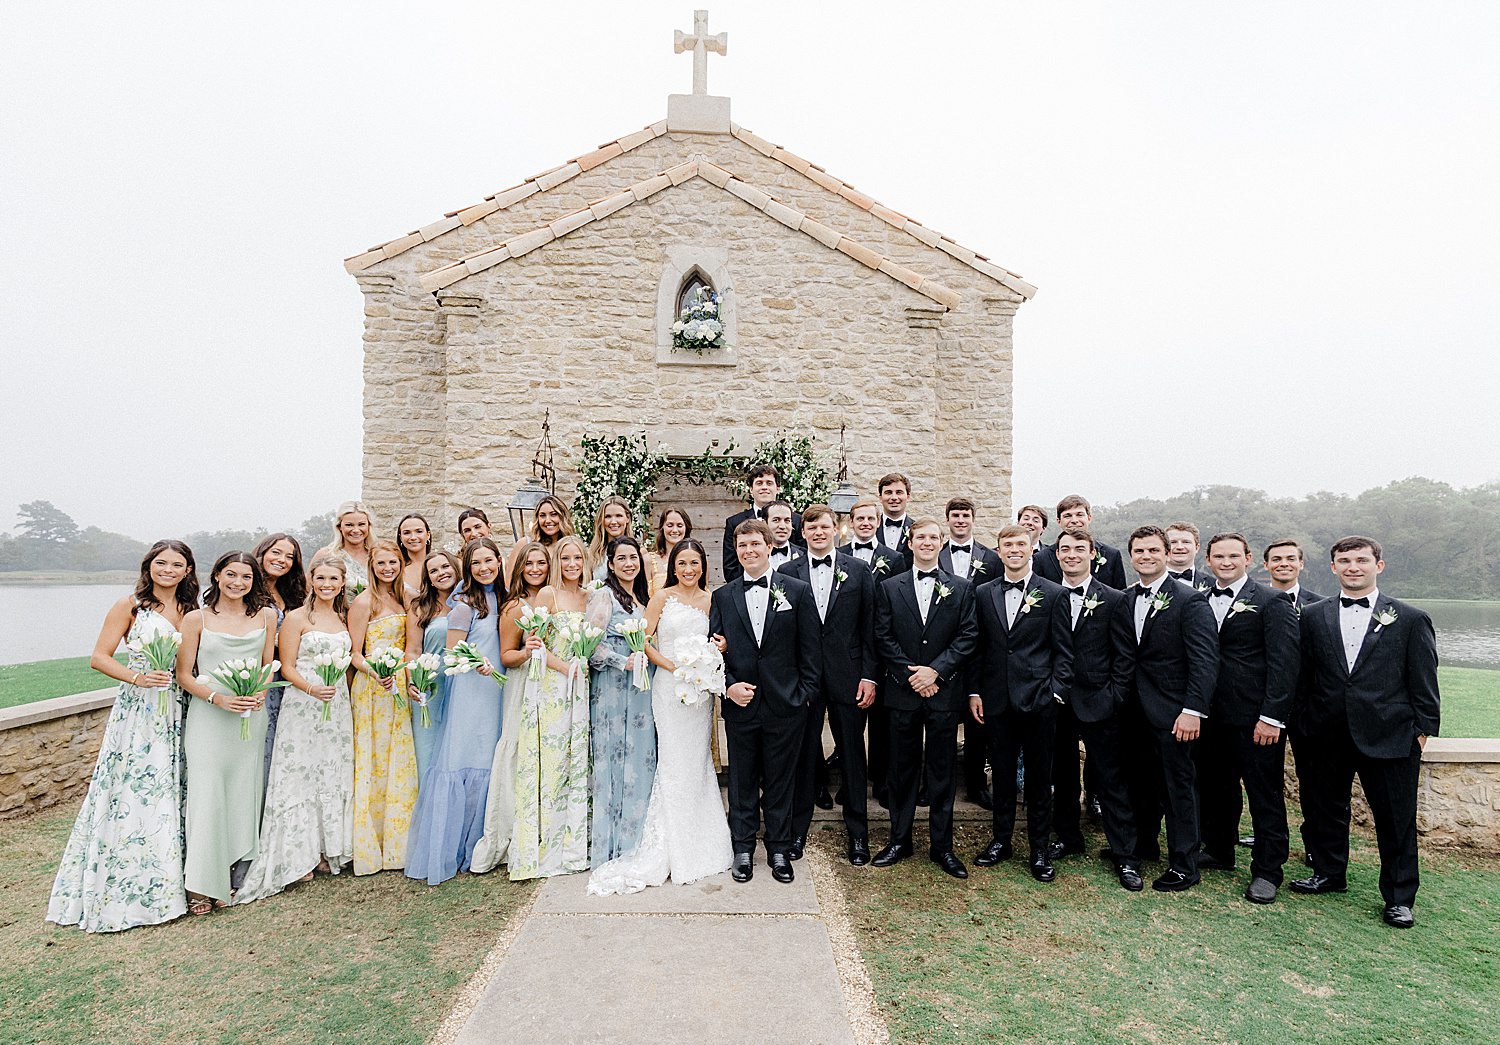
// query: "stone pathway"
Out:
[715,961]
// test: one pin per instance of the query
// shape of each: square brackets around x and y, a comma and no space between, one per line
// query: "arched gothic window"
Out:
[693,284]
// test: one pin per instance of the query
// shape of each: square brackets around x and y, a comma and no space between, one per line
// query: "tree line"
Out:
[1440,542]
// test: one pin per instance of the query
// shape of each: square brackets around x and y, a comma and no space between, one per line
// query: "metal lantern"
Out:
[543,481]
[844,496]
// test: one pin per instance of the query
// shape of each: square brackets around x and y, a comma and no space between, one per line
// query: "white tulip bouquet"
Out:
[330,660]
[464,658]
[243,677]
[424,673]
[160,650]
[634,632]
[534,620]
[383,663]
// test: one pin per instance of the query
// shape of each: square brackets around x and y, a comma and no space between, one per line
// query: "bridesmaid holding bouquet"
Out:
[441,571]
[280,559]
[385,757]
[122,866]
[224,737]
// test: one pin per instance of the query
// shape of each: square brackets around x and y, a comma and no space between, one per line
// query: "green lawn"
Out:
[45,679]
[375,959]
[1003,958]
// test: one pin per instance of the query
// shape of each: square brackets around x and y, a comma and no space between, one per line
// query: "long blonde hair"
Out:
[598,542]
[349,508]
[554,576]
[379,589]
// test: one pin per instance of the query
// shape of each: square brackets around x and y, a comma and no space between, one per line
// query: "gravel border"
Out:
[864,1016]
[469,995]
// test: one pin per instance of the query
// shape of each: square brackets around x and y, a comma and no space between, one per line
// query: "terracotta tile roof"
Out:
[698,167]
[542,182]
[894,218]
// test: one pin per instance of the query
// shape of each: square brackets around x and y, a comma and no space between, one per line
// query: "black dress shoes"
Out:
[743,868]
[1093,809]
[891,855]
[824,800]
[1398,916]
[859,852]
[951,864]
[1174,882]
[1130,878]
[794,851]
[1214,863]
[1317,884]
[781,867]
[1041,867]
[1060,849]
[983,797]
[993,854]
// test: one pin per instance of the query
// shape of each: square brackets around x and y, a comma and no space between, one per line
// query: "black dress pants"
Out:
[909,728]
[1227,755]
[1029,733]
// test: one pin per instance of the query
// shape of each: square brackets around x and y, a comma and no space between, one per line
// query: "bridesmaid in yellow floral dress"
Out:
[551,834]
[385,758]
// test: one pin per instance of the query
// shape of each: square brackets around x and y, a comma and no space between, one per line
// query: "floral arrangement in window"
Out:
[698,327]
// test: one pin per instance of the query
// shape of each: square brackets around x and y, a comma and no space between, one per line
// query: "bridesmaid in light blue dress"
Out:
[449,817]
[622,728]
[123,863]
[429,611]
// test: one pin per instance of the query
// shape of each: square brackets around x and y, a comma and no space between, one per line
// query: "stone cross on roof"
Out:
[700,43]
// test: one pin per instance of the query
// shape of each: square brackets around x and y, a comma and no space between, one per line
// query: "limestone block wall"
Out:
[47,750]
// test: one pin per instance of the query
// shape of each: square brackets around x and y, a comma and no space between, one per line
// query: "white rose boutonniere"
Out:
[840,576]
[778,594]
[1099,559]
[942,590]
[1091,603]
[1033,598]
[1385,618]
[1241,606]
[1160,601]
[882,564]
[976,568]
[1202,586]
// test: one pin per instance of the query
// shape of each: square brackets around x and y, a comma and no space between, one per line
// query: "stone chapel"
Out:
[559,294]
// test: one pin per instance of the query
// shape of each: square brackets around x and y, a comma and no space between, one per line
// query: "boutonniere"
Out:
[1033,598]
[1203,586]
[778,593]
[882,564]
[1099,559]
[942,590]
[976,568]
[1091,603]
[1241,606]
[1160,601]
[1384,618]
[840,576]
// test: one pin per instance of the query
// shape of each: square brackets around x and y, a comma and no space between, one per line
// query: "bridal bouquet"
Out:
[464,658]
[423,673]
[160,650]
[534,620]
[579,640]
[383,664]
[698,326]
[243,677]
[699,675]
[330,660]
[634,632]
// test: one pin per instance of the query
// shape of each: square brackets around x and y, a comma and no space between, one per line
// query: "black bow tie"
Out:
[967,549]
[1017,585]
[823,562]
[764,582]
[858,546]
[1078,590]
[1184,575]
[1365,602]
[1225,593]
[1142,589]
[781,551]
[923,575]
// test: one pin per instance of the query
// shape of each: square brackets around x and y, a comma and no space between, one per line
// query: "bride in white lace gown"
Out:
[686,833]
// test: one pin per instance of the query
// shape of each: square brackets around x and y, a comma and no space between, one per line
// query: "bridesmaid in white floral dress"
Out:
[123,863]
[308,823]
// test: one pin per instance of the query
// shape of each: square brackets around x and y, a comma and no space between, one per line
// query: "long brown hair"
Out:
[377,587]
[518,589]
[687,544]
[340,601]
[597,551]
[256,599]
[639,592]
[292,586]
[406,559]
[473,593]
[186,594]
[429,602]
[565,530]
[661,527]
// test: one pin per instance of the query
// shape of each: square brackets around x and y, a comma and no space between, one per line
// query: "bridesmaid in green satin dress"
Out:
[226,781]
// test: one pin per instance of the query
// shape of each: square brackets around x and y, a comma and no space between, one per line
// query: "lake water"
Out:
[47,621]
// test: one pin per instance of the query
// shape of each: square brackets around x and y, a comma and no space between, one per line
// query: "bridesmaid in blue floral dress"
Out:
[449,818]
[123,863]
[429,612]
[622,728]
[280,558]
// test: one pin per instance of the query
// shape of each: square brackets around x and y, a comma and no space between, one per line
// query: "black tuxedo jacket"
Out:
[1198,578]
[945,643]
[1306,598]
[732,568]
[1258,657]
[784,668]
[1389,698]
[893,560]
[1177,656]
[984,563]
[1103,664]
[1111,572]
[903,546]
[1019,667]
[847,634]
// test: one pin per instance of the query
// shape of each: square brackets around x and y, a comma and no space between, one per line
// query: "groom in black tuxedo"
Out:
[765,487]
[1367,701]
[925,632]
[844,594]
[1074,513]
[771,672]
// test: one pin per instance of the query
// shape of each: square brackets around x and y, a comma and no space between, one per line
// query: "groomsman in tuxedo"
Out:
[1034,518]
[1367,701]
[779,518]
[925,632]
[771,671]
[1182,556]
[1101,674]
[864,520]
[1245,739]
[895,526]
[1284,563]
[1176,663]
[765,487]
[965,557]
[844,594]
[1024,662]
[1074,513]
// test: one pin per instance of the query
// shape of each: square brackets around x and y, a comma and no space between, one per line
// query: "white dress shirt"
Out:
[864,555]
[1221,603]
[1142,608]
[1354,621]
[961,559]
[1013,599]
[756,601]
[890,531]
[924,592]
[822,578]
[781,556]
[1075,599]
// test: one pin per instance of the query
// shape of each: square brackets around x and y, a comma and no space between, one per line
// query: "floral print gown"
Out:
[122,866]
[385,759]
[622,736]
